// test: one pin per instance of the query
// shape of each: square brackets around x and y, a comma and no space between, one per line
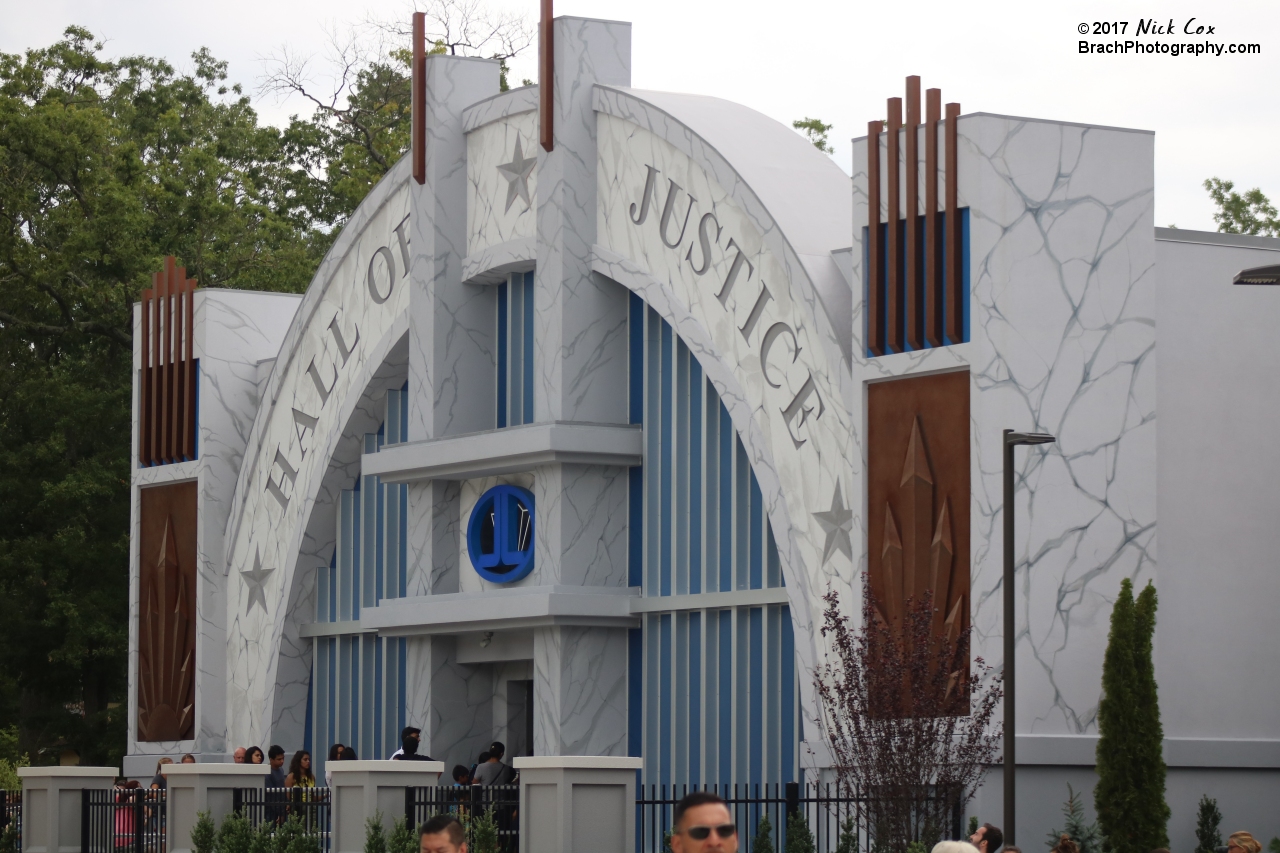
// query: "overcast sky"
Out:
[838,61]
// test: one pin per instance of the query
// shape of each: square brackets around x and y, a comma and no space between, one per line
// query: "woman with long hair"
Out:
[335,754]
[254,755]
[300,775]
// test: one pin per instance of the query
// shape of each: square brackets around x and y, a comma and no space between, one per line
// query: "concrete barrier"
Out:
[361,788]
[51,805]
[577,803]
[195,788]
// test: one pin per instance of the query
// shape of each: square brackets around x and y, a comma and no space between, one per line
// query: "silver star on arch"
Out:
[838,524]
[517,173]
[256,580]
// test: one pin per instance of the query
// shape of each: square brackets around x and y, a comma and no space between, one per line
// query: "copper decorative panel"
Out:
[918,496]
[167,385]
[166,613]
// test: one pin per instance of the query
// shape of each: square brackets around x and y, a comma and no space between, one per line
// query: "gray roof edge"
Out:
[1217,238]
[1083,124]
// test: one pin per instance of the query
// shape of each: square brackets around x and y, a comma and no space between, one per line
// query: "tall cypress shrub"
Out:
[1129,797]
[1153,827]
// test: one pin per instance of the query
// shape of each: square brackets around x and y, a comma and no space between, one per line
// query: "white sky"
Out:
[838,61]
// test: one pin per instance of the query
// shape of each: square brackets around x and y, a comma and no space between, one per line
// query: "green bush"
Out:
[848,842]
[763,842]
[9,839]
[1129,797]
[203,834]
[234,835]
[484,833]
[799,838]
[1208,819]
[1086,835]
[402,839]
[375,837]
[9,780]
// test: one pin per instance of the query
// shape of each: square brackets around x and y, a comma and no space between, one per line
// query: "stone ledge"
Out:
[502,609]
[506,451]
[576,762]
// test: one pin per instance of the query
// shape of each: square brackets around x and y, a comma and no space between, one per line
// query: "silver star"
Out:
[256,579]
[517,174]
[838,524]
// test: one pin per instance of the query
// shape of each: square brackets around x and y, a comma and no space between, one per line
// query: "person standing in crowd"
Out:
[253,755]
[493,771]
[410,739]
[349,754]
[335,754]
[300,771]
[188,759]
[442,834]
[1064,845]
[1243,842]
[276,777]
[988,838]
[461,775]
[238,755]
[703,825]
[158,780]
[484,756]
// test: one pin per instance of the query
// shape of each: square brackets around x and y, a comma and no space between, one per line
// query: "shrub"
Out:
[484,833]
[402,838]
[375,837]
[763,842]
[203,834]
[1085,835]
[799,838]
[848,842]
[234,835]
[1208,820]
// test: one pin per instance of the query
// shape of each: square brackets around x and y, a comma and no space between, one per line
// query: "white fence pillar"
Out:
[361,788]
[577,803]
[51,805]
[195,788]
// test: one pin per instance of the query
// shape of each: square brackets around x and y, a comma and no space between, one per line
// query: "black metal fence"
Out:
[466,802]
[311,806]
[11,814]
[828,813]
[122,820]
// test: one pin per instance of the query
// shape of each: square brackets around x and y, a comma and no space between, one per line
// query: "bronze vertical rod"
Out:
[955,274]
[910,210]
[175,381]
[546,78]
[875,261]
[189,407]
[155,368]
[418,109]
[893,259]
[932,237]
[164,327]
[144,390]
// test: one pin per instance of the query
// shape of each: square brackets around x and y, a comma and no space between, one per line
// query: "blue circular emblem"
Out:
[500,534]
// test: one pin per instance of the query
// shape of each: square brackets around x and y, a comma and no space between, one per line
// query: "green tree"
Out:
[1129,796]
[106,166]
[1250,213]
[763,842]
[799,838]
[816,130]
[375,837]
[1085,835]
[1208,823]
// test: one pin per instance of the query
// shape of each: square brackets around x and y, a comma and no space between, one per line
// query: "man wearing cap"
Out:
[493,771]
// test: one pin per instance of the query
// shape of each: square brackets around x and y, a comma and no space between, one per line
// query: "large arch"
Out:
[352,318]
[661,170]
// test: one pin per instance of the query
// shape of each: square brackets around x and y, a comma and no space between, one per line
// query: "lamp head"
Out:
[1258,275]
[1015,438]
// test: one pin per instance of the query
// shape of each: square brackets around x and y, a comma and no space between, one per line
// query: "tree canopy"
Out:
[106,166]
[1248,213]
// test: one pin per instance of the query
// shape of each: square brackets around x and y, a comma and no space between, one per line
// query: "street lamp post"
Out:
[1011,440]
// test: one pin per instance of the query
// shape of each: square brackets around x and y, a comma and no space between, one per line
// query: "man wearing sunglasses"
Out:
[703,825]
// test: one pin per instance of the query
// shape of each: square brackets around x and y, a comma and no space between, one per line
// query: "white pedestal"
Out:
[195,788]
[577,803]
[361,788]
[51,805]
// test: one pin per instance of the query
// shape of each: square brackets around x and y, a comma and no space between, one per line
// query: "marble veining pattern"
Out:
[490,219]
[1062,341]
[797,481]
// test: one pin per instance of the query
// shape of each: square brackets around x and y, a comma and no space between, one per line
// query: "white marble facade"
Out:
[1062,312]
[737,232]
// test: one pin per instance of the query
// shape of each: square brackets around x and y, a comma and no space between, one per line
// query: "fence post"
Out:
[362,788]
[195,788]
[84,820]
[410,817]
[793,798]
[577,803]
[52,805]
